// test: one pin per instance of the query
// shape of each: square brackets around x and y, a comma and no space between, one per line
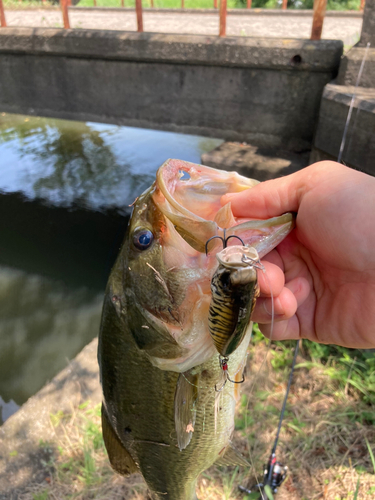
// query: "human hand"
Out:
[323,274]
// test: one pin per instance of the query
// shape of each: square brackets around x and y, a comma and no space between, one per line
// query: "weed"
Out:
[42,495]
[371,454]
[57,418]
[228,484]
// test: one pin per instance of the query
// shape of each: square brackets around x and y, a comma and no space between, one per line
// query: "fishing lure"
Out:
[234,289]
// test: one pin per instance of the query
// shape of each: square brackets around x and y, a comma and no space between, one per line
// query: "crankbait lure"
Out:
[234,289]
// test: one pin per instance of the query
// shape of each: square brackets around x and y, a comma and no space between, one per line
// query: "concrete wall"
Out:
[359,150]
[266,91]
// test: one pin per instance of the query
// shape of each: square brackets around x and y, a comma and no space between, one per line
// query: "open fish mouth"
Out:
[188,198]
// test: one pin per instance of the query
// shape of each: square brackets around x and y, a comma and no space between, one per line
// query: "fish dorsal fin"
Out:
[185,407]
[232,457]
[224,217]
[121,460]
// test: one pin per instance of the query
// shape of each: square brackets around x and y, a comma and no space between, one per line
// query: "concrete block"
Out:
[359,151]
[351,63]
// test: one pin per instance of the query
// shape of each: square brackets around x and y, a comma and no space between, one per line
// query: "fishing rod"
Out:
[274,473]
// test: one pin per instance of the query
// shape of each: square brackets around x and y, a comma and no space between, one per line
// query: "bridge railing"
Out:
[2,15]
[319,11]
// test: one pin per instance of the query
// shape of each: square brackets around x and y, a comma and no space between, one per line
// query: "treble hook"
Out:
[223,360]
[224,240]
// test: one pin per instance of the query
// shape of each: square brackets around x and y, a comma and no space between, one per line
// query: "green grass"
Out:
[327,438]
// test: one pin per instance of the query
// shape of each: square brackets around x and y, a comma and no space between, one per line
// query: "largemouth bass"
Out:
[159,364]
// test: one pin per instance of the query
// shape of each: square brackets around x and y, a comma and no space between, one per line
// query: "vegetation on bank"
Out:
[191,4]
[327,439]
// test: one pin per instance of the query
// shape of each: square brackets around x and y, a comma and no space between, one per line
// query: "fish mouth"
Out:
[189,196]
[196,224]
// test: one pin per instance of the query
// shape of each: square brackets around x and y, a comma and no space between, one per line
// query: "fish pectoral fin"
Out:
[185,407]
[119,457]
[232,457]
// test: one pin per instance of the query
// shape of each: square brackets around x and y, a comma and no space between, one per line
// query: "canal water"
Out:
[65,191]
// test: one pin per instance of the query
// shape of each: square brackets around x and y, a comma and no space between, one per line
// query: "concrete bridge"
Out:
[263,91]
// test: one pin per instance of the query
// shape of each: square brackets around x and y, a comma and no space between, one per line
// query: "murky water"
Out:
[65,188]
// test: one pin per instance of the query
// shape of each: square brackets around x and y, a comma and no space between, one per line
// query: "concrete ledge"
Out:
[359,151]
[244,52]
[255,162]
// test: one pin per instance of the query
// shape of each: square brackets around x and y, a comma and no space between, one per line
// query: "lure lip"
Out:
[241,261]
[234,256]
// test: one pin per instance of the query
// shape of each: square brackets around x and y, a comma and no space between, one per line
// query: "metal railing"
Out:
[316,31]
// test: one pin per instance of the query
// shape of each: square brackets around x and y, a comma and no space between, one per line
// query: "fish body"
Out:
[158,363]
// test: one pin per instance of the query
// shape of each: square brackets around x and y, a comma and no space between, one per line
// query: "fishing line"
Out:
[342,145]
[353,129]
[262,268]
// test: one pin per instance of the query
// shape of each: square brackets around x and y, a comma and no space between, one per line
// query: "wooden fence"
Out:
[316,31]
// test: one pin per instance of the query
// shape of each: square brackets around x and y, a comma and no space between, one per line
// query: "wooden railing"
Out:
[2,15]
[316,31]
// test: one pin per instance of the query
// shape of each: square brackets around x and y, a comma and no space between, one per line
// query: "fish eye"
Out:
[142,239]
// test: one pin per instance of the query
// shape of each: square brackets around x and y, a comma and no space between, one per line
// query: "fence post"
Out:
[64,8]
[249,2]
[318,18]
[152,4]
[223,18]
[2,15]
[362,6]
[285,4]
[138,9]
[215,4]
[182,4]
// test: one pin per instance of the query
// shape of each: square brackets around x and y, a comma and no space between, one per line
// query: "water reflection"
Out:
[94,165]
[65,188]
[39,317]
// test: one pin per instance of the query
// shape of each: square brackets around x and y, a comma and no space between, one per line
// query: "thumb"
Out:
[274,197]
